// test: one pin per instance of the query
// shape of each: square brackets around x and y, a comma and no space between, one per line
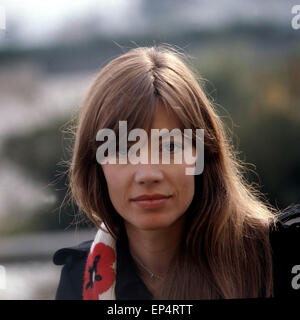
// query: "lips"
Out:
[152,201]
[155,196]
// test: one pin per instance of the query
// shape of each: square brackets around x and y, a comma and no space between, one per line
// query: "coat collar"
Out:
[110,271]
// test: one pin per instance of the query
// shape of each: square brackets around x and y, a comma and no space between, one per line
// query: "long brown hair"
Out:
[225,249]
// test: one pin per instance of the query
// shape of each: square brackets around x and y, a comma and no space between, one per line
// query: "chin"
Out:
[153,224]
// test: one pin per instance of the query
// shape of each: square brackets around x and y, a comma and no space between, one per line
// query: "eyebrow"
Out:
[161,136]
[169,134]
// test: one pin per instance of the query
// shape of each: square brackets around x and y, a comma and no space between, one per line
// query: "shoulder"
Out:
[73,260]
[285,239]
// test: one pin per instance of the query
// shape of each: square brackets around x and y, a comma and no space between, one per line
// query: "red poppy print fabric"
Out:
[99,275]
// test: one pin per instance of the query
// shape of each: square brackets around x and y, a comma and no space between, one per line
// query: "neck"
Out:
[155,248]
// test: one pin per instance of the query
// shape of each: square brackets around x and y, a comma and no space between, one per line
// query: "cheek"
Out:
[188,187]
[185,185]
[187,193]
[115,181]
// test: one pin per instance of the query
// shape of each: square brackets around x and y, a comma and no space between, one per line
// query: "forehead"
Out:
[164,119]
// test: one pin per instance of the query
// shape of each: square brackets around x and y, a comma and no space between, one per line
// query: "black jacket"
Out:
[285,242]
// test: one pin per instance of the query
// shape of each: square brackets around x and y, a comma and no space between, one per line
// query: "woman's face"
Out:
[128,181]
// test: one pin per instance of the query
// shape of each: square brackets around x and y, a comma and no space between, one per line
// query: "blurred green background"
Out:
[248,55]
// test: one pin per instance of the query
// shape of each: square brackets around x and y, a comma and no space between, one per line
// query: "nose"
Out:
[148,174]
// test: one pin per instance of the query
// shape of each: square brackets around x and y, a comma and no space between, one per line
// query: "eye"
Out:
[122,152]
[172,146]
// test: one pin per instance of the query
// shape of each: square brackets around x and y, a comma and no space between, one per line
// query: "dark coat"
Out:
[285,242]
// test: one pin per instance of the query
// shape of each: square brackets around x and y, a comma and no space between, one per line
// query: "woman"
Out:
[164,234]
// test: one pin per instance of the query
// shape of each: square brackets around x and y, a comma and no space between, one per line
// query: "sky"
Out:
[39,21]
[36,22]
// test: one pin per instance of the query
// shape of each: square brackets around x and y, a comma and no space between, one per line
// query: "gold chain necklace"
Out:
[152,275]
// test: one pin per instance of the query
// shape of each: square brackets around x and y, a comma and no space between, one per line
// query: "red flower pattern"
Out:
[99,274]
